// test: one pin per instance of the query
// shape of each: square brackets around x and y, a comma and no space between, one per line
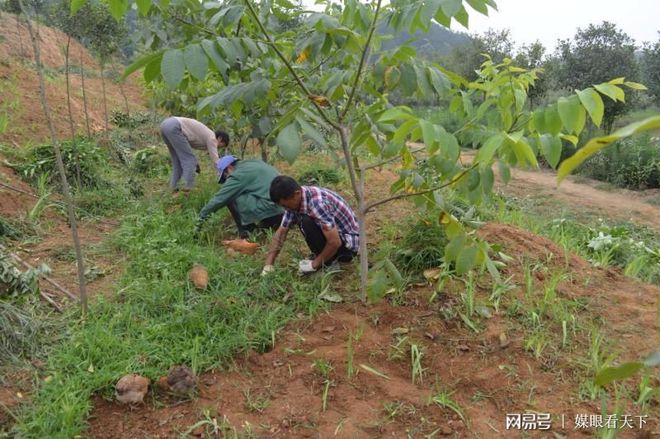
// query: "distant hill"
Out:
[439,41]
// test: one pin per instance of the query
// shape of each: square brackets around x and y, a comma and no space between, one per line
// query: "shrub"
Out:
[129,120]
[421,247]
[80,153]
[631,163]
[13,282]
[320,177]
[149,162]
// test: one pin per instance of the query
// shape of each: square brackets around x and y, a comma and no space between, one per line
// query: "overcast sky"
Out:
[549,20]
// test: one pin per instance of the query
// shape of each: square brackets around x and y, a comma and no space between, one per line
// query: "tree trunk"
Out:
[358,189]
[68,102]
[82,79]
[123,95]
[60,166]
[105,97]
[264,150]
[20,40]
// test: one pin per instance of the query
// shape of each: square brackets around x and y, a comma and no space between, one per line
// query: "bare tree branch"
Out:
[406,195]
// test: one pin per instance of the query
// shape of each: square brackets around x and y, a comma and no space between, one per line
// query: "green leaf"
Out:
[428,134]
[196,61]
[403,131]
[593,103]
[76,5]
[635,85]
[552,120]
[211,49]
[487,151]
[117,8]
[551,148]
[141,62]
[479,6]
[441,18]
[152,70]
[288,141]
[377,286]
[612,91]
[609,374]
[462,17]
[487,180]
[569,109]
[598,143]
[393,272]
[311,132]
[143,7]
[504,172]
[448,144]
[392,77]
[451,7]
[172,67]
[524,153]
[396,114]
[423,81]
[453,249]
[466,260]
[539,120]
[438,80]
[408,81]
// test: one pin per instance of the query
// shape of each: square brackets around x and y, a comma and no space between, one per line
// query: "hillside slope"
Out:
[19,85]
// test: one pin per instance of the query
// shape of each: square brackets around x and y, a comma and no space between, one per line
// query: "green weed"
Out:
[158,318]
[443,399]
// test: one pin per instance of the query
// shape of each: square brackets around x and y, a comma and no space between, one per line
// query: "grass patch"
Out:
[158,318]
[633,248]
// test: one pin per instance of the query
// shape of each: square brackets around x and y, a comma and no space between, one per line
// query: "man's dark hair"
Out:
[222,136]
[283,187]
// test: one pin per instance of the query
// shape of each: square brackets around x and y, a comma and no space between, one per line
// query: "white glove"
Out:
[267,269]
[305,266]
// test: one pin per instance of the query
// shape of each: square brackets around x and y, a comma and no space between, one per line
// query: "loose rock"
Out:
[130,389]
[199,276]
[181,380]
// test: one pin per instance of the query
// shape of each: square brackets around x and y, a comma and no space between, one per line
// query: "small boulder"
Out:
[199,276]
[130,389]
[181,380]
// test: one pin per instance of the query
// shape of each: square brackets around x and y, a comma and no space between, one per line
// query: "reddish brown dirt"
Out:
[19,99]
[19,86]
[619,204]
[488,381]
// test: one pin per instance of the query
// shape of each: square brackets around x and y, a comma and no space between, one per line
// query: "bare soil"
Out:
[19,85]
[279,394]
[20,101]
[616,203]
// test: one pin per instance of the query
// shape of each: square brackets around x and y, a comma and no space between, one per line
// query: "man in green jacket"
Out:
[246,193]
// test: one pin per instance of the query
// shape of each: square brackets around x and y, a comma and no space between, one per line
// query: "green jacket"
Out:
[249,187]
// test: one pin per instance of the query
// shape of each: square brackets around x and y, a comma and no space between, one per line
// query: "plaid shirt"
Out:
[327,209]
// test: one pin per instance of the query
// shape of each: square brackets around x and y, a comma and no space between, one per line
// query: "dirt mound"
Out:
[19,85]
[17,201]
[522,244]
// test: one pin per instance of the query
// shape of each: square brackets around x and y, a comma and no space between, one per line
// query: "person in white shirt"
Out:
[182,135]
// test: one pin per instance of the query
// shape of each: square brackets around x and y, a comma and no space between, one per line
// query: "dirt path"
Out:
[621,204]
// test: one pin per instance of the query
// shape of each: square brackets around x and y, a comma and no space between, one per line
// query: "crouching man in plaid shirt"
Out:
[326,221]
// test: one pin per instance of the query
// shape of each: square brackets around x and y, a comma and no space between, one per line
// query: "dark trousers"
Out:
[244,230]
[316,241]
